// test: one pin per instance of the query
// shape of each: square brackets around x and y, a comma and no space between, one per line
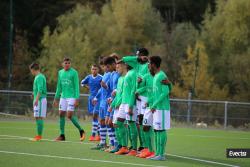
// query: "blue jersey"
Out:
[103,92]
[93,83]
[113,80]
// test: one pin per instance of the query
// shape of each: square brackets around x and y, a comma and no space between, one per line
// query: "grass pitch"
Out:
[185,147]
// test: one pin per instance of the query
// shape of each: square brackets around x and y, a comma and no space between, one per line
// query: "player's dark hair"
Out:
[108,61]
[142,52]
[115,56]
[129,67]
[156,60]
[34,66]
[66,59]
[94,65]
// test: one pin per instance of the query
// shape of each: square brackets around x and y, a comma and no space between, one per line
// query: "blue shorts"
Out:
[93,109]
[102,112]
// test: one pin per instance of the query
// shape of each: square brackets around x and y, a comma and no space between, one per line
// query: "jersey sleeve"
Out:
[76,82]
[40,85]
[133,89]
[164,93]
[131,61]
[85,81]
[58,87]
[142,86]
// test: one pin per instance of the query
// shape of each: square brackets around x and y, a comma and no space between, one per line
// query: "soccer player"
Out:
[160,107]
[146,89]
[68,92]
[39,99]
[139,63]
[127,111]
[92,82]
[112,84]
[103,95]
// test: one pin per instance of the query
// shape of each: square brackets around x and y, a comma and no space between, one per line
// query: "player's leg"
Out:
[62,114]
[118,143]
[39,114]
[94,121]
[121,117]
[139,125]
[103,130]
[159,122]
[148,135]
[133,130]
[71,116]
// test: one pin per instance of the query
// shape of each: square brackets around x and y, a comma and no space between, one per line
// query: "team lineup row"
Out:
[130,101]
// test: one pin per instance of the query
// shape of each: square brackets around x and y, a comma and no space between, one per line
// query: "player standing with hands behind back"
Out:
[68,92]
[160,107]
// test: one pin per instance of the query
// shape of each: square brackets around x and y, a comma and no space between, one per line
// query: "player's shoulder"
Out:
[161,75]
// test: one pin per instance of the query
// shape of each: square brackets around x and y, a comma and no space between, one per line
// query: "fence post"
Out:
[225,115]
[189,106]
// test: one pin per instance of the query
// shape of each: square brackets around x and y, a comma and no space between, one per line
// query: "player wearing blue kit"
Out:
[112,84]
[103,94]
[92,82]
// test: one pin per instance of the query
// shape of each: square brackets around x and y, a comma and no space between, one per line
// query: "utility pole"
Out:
[10,44]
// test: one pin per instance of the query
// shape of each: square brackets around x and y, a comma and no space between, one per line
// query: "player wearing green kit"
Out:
[39,99]
[139,63]
[68,92]
[146,88]
[160,107]
[127,111]
[115,104]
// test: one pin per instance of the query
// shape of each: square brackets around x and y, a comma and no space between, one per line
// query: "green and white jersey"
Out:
[160,92]
[118,96]
[141,69]
[67,84]
[40,86]
[146,87]
[129,88]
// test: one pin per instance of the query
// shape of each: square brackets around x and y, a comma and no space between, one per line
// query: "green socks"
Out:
[160,142]
[141,136]
[122,133]
[133,134]
[74,120]
[163,141]
[117,135]
[148,140]
[62,125]
[39,126]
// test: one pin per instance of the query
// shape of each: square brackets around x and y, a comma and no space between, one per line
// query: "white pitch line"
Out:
[173,155]
[73,158]
[29,138]
[202,160]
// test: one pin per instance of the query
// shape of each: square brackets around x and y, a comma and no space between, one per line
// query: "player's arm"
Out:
[58,90]
[132,96]
[77,90]
[39,90]
[164,93]
[85,81]
[131,60]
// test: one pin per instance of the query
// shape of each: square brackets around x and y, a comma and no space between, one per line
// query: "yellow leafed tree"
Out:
[195,76]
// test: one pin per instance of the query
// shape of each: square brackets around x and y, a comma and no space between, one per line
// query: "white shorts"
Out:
[121,112]
[67,104]
[141,105]
[41,109]
[148,117]
[161,119]
[115,116]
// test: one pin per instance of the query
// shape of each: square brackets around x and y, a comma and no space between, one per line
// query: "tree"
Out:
[84,35]
[226,36]
[194,71]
